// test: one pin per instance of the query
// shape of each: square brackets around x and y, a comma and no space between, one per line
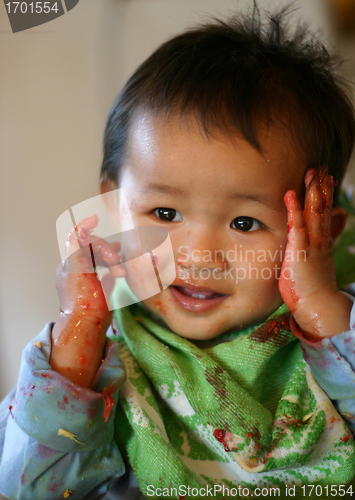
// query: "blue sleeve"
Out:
[332,362]
[55,441]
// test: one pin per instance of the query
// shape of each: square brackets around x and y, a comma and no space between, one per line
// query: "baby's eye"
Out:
[246,224]
[168,214]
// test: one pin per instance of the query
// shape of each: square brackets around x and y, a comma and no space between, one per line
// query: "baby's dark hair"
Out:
[234,75]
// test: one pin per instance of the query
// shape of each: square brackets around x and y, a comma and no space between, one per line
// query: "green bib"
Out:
[243,412]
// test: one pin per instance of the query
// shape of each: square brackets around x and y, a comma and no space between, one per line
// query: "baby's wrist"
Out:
[77,346]
[69,322]
[327,316]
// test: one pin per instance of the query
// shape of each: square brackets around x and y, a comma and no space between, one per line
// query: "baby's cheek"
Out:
[159,304]
[265,292]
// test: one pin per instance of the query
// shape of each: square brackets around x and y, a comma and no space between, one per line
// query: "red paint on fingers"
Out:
[288,289]
[290,201]
[292,291]
[327,190]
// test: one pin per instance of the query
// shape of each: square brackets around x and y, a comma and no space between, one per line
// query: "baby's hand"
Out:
[307,281]
[79,335]
[80,291]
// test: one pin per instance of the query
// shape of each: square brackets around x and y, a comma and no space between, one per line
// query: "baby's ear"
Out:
[338,221]
[107,185]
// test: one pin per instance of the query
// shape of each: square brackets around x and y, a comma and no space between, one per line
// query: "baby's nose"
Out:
[202,251]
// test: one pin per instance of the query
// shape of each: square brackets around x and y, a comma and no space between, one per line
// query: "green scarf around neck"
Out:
[243,412]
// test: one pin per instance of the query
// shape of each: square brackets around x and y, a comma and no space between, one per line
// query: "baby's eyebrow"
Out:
[259,198]
[163,188]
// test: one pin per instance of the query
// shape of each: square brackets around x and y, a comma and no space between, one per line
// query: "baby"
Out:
[234,138]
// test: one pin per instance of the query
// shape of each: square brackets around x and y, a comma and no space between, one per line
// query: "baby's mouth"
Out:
[196,299]
[198,292]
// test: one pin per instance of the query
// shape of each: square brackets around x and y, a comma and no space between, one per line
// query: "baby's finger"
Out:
[313,212]
[117,271]
[78,235]
[85,228]
[327,197]
[77,254]
[296,225]
[116,245]
[104,253]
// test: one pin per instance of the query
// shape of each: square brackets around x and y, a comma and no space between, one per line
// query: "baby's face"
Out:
[222,203]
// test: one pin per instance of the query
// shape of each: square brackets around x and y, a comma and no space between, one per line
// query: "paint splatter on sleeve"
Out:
[69,449]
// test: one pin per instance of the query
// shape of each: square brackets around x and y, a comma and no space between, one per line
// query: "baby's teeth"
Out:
[198,296]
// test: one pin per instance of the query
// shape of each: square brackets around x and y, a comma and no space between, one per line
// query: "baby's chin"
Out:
[208,325]
[197,334]
[189,328]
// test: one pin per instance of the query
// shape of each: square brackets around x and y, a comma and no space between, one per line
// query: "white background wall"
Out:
[57,84]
